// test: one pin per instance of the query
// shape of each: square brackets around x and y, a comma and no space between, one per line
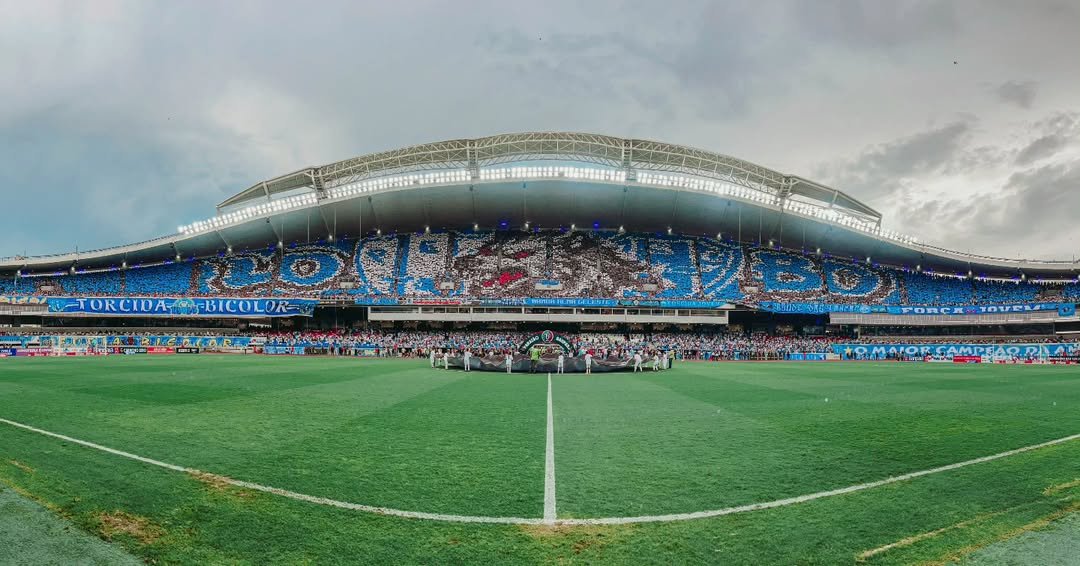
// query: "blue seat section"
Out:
[312,269]
[374,261]
[629,246]
[721,269]
[784,273]
[925,289]
[170,279]
[425,264]
[848,279]
[107,283]
[1000,292]
[674,257]
[624,258]
[854,283]
[566,264]
[12,285]
[251,272]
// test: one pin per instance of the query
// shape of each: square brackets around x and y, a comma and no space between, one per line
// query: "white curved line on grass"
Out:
[285,492]
[523,521]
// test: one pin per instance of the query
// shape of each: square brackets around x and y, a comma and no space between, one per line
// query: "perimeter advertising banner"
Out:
[199,306]
[152,341]
[881,351]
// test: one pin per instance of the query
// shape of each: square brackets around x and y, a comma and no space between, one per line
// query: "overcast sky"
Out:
[960,121]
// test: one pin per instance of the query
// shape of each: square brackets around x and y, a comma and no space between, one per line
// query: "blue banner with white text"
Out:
[1064,309]
[184,306]
[1001,351]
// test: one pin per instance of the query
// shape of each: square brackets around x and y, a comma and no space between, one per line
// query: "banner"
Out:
[284,350]
[976,309]
[553,302]
[12,300]
[377,301]
[883,351]
[201,307]
[818,308]
[666,304]
[547,337]
[826,308]
[805,357]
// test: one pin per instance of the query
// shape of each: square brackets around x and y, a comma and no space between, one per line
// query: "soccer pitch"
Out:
[670,464]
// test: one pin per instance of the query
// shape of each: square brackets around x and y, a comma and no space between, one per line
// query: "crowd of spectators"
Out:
[701,345]
[564,264]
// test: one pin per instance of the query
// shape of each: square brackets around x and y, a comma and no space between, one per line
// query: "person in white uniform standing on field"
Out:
[446,359]
[509,363]
[467,358]
[637,362]
[432,356]
[588,363]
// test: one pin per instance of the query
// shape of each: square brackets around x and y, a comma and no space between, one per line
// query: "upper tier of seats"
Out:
[572,264]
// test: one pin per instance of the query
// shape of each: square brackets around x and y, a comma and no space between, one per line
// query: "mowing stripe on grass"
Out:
[549,463]
[285,492]
[523,521]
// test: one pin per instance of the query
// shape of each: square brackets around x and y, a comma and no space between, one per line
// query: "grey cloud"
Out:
[1059,131]
[1028,216]
[1040,148]
[888,25]
[1019,93]
[883,169]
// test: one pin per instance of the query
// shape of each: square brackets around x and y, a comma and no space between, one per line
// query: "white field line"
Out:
[549,463]
[285,492]
[524,521]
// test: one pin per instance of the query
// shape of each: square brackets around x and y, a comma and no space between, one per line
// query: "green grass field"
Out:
[400,435]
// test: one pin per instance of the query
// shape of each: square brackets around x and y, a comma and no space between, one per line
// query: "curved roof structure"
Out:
[629,155]
[547,179]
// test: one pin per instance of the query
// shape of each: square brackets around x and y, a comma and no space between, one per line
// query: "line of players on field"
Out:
[659,360]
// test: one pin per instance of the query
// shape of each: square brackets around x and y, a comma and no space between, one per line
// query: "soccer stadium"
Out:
[540,347]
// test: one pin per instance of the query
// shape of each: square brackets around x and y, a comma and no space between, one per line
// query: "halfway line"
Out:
[549,463]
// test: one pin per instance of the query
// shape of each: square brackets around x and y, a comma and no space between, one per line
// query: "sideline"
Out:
[526,521]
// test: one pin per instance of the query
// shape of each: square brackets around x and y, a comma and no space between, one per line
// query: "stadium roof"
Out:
[548,180]
[472,154]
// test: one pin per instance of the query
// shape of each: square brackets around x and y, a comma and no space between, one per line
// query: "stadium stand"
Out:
[565,263]
[995,292]
[93,284]
[858,284]
[1071,291]
[237,275]
[374,263]
[675,259]
[721,266]
[783,275]
[425,264]
[169,279]
[923,289]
